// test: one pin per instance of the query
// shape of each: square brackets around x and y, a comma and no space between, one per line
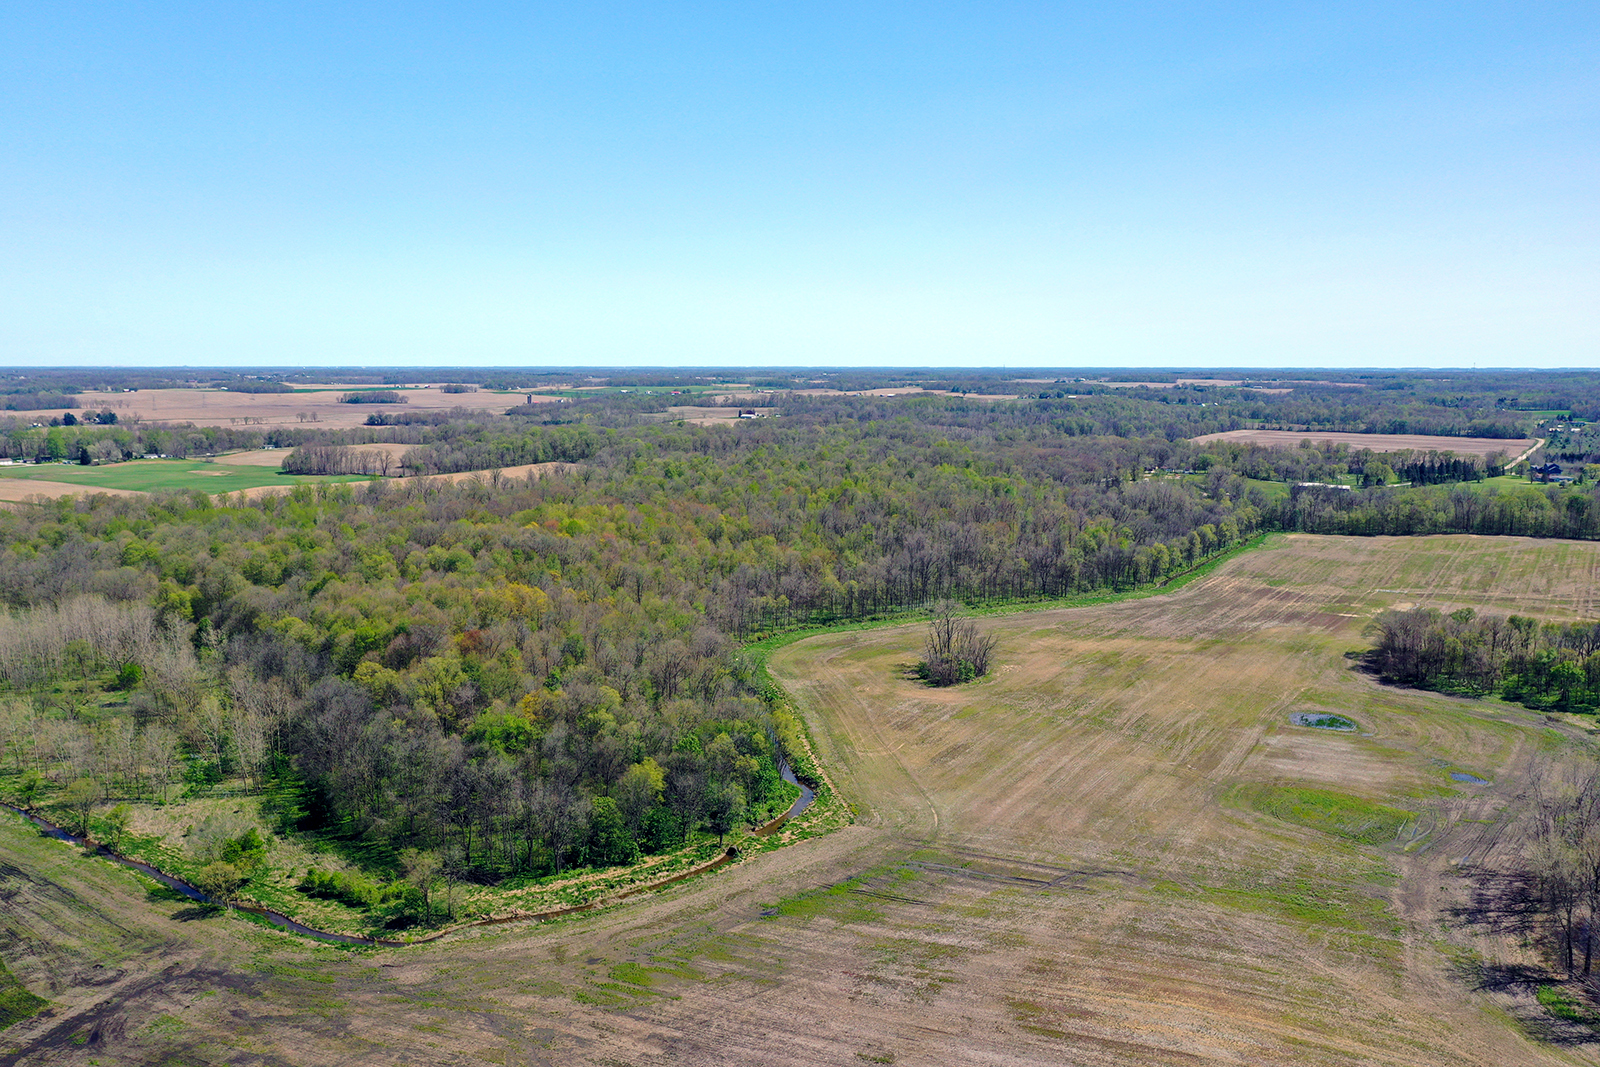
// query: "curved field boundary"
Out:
[293,926]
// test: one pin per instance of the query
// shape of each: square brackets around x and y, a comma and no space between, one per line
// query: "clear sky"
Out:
[1278,184]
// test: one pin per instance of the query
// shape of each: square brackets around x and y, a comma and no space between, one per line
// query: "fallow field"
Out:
[1118,849]
[1511,448]
[307,405]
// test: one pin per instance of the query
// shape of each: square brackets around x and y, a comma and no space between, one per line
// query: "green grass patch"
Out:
[1563,1006]
[1340,814]
[151,475]
[633,974]
[16,1003]
[836,902]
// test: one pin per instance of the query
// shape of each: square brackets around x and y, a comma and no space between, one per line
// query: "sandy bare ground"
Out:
[1378,442]
[215,407]
[21,490]
[1061,864]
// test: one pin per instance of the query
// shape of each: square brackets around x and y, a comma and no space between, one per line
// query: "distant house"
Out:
[1550,472]
[748,413]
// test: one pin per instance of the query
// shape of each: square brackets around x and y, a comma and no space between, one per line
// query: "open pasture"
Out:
[1379,442]
[150,475]
[1119,849]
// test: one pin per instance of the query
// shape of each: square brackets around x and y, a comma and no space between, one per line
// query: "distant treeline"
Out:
[373,396]
[37,401]
[245,385]
[1543,665]
[339,459]
[424,418]
[1521,511]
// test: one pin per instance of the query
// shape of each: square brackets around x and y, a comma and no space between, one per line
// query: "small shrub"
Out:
[352,889]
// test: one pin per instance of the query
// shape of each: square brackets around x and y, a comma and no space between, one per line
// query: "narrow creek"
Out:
[282,921]
[801,802]
[275,918]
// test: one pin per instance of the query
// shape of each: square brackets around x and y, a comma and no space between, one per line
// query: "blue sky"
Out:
[745,184]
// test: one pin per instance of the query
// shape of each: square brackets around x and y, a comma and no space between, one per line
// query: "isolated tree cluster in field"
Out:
[955,650]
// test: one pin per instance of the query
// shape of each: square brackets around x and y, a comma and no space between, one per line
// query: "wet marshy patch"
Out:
[1324,720]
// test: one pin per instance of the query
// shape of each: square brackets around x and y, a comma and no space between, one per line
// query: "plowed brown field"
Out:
[1380,442]
[1087,858]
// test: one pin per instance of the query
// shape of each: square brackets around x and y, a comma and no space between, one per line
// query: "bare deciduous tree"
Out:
[158,754]
[955,651]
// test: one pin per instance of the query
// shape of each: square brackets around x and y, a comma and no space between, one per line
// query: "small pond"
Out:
[1463,776]
[1322,720]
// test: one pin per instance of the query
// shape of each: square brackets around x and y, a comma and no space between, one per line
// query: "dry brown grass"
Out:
[1061,864]
[1378,442]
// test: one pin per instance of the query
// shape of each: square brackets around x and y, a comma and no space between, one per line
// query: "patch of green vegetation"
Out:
[1031,1016]
[1352,817]
[16,1003]
[164,1024]
[151,475]
[836,902]
[1563,1006]
[633,974]
[1329,722]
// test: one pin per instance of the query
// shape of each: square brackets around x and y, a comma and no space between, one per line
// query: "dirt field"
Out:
[16,490]
[1099,856]
[216,407]
[1380,442]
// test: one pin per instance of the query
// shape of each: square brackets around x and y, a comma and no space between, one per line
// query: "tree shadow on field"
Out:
[910,672]
[198,912]
[1502,902]
[1509,904]
[161,894]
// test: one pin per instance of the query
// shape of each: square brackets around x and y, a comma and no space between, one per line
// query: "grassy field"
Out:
[1118,849]
[149,475]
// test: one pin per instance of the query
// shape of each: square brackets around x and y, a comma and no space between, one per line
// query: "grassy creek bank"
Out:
[284,922]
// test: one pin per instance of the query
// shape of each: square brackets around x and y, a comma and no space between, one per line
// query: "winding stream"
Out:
[275,918]
[282,921]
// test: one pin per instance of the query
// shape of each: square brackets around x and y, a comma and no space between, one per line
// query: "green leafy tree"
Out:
[220,880]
